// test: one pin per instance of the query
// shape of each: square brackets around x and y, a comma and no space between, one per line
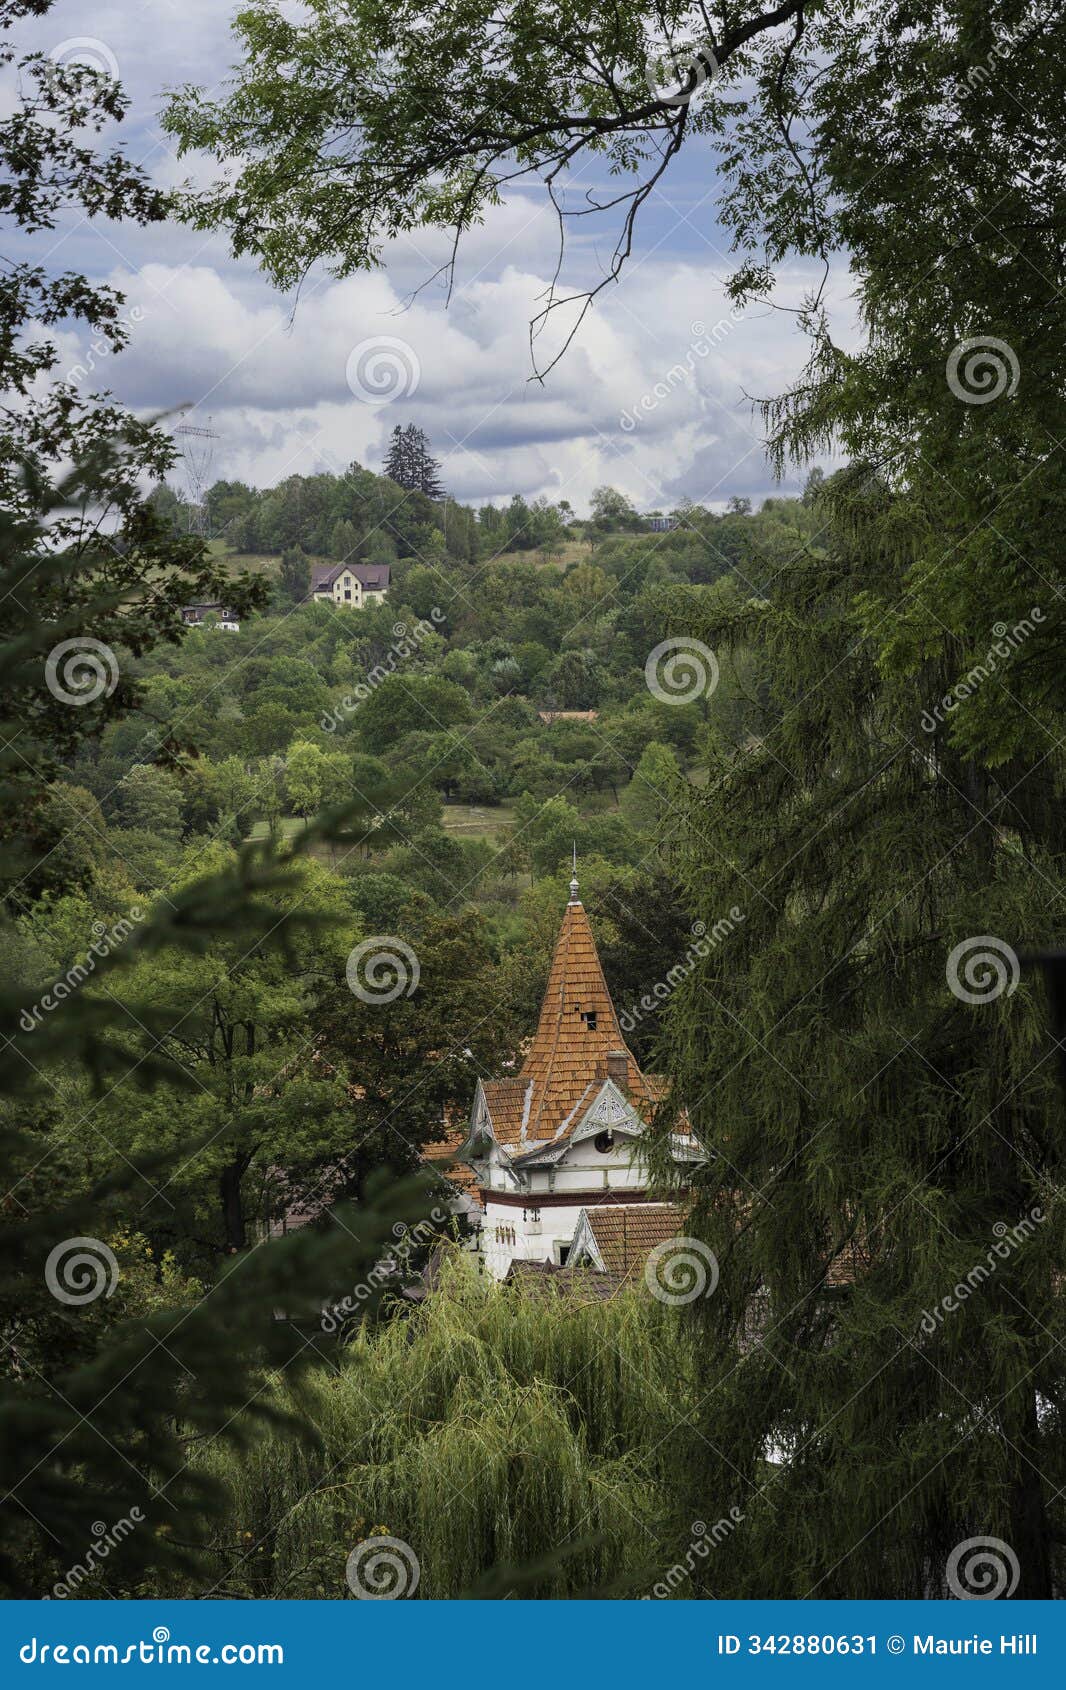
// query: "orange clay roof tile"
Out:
[567,1058]
[625,1233]
[442,1153]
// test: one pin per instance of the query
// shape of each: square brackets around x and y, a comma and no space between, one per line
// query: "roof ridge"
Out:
[559,1061]
[564,933]
[568,1058]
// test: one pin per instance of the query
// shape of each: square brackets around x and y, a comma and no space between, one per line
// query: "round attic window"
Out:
[603,1142]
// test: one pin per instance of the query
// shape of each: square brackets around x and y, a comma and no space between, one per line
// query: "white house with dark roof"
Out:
[564,1134]
[352,586]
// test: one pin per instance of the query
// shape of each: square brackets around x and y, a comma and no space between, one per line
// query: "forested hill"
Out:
[494,619]
[367,518]
[502,699]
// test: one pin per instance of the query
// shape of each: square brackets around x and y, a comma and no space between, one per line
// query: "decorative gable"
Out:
[584,1248]
[609,1111]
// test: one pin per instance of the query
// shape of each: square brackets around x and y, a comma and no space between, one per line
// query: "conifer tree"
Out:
[425,468]
[866,1065]
[100,1404]
[396,464]
[410,463]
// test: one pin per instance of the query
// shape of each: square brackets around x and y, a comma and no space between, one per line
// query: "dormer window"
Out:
[588,1016]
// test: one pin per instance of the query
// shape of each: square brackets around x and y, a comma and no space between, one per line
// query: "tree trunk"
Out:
[1029,1526]
[232,1208]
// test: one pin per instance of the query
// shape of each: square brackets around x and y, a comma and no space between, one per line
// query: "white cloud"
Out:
[657,408]
[273,380]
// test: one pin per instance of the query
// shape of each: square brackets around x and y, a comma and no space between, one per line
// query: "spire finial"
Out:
[573,884]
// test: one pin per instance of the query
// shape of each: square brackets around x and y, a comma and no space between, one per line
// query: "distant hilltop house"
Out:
[662,524]
[556,1150]
[551,716]
[196,615]
[351,585]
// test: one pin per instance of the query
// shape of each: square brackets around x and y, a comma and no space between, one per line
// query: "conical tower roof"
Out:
[577,1029]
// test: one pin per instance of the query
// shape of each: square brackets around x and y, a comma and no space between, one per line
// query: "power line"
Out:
[197,451]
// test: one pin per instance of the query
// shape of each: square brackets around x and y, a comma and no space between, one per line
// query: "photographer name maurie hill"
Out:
[1013,1643]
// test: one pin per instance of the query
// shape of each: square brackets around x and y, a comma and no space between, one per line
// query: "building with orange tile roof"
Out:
[618,1239]
[564,1134]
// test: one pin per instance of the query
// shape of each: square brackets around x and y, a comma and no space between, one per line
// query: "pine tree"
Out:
[866,1065]
[426,469]
[102,1402]
[395,465]
[410,463]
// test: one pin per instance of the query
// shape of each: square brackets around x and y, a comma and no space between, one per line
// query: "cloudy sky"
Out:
[285,385]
